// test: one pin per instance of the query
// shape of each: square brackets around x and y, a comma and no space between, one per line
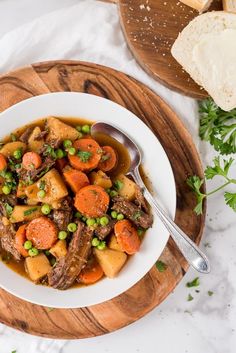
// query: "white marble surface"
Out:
[206,324]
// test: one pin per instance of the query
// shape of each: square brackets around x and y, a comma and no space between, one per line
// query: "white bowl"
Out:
[156,165]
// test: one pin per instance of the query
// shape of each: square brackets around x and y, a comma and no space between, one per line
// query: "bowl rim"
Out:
[59,98]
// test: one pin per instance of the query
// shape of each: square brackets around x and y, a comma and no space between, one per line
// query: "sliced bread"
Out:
[200,5]
[206,49]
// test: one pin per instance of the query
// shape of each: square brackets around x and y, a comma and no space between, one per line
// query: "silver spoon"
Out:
[195,257]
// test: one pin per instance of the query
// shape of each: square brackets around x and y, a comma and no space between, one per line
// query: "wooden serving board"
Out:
[150,28]
[155,286]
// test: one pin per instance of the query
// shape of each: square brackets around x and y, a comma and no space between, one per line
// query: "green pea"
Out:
[53,261]
[62,235]
[46,209]
[17,154]
[120,216]
[41,194]
[104,221]
[78,215]
[28,244]
[6,189]
[101,245]
[78,128]
[33,252]
[72,151]
[72,227]
[114,214]
[86,129]
[60,153]
[95,242]
[67,143]
[90,222]
[113,193]
[8,176]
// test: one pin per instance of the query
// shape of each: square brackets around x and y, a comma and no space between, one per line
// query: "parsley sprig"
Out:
[218,127]
[221,167]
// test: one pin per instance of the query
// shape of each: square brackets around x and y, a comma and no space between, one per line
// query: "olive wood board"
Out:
[150,28]
[155,286]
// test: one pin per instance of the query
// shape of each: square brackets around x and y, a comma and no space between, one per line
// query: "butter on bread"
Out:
[206,49]
[199,5]
[229,5]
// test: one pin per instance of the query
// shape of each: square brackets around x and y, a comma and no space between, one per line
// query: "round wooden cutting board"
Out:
[155,286]
[150,28]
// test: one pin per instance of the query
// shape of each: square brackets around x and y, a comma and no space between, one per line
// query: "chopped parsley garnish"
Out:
[161,266]
[44,171]
[42,185]
[50,151]
[105,157]
[8,208]
[137,215]
[194,283]
[118,185]
[210,293]
[30,211]
[13,138]
[84,156]
[190,298]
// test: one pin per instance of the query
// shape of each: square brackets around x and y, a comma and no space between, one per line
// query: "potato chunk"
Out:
[101,179]
[128,187]
[35,145]
[59,249]
[37,267]
[113,244]
[10,147]
[111,261]
[55,188]
[59,130]
[25,213]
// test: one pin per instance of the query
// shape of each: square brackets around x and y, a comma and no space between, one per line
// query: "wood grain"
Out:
[155,286]
[150,28]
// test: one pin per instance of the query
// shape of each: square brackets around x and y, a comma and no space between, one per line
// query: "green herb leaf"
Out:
[50,151]
[217,126]
[118,185]
[14,351]
[190,298]
[210,293]
[44,171]
[194,283]
[105,158]
[137,215]
[230,199]
[42,185]
[8,208]
[13,137]
[195,184]
[84,156]
[30,211]
[161,266]
[217,169]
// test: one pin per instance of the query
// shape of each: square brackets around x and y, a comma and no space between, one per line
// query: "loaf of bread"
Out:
[200,5]
[206,49]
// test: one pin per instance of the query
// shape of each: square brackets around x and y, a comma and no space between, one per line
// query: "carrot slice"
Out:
[31,160]
[61,163]
[3,162]
[91,273]
[92,201]
[20,239]
[108,160]
[127,236]
[42,232]
[88,155]
[76,179]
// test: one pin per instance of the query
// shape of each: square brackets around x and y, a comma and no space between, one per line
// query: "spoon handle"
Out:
[195,257]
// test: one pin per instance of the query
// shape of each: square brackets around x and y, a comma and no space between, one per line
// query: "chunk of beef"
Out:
[140,199]
[7,231]
[103,231]
[34,174]
[67,269]
[63,216]
[26,134]
[132,212]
